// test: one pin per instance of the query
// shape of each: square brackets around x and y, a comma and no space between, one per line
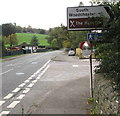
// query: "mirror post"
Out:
[91,75]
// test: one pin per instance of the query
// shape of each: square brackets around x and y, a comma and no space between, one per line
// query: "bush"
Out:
[109,50]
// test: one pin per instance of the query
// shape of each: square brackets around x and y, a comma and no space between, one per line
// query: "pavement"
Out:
[64,88]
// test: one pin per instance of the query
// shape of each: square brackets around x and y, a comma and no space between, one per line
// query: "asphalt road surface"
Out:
[47,83]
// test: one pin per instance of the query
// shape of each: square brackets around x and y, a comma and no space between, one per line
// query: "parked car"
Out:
[71,53]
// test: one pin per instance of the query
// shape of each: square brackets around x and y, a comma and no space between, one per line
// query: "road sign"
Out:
[81,18]
[94,36]
[84,43]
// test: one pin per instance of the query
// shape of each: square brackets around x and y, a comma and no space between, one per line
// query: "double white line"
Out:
[14,103]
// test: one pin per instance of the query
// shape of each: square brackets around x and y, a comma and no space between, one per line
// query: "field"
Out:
[26,37]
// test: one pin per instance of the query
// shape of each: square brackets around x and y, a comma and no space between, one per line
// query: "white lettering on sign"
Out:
[82,14]
[82,10]
[85,12]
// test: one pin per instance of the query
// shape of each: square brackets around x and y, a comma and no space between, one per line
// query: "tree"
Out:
[34,41]
[54,43]
[67,44]
[97,2]
[8,30]
[64,37]
[109,49]
[11,39]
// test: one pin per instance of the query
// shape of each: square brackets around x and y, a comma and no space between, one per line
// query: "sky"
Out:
[43,14]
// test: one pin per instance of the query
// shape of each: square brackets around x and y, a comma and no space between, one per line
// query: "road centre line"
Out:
[26,81]
[21,85]
[5,72]
[8,96]
[38,78]
[30,85]
[45,70]
[34,81]
[21,96]
[4,113]
[26,90]
[29,78]
[16,90]
[13,104]
[2,102]
[43,67]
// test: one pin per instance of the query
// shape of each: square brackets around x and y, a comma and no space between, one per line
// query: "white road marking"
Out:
[19,73]
[16,90]
[34,81]
[26,90]
[46,63]
[44,66]
[2,102]
[13,104]
[30,85]
[4,113]
[5,72]
[32,75]
[29,78]
[20,97]
[34,62]
[26,81]
[75,65]
[21,85]
[10,65]
[8,96]
[38,78]
[36,72]
[45,70]
[39,75]
[85,60]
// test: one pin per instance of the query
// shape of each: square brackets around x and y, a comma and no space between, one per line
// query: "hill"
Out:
[26,37]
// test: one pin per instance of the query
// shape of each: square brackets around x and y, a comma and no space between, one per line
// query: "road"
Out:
[37,79]
[15,72]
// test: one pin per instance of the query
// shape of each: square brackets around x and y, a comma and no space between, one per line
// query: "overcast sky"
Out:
[42,14]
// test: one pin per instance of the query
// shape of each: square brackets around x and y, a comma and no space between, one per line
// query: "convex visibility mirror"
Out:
[86,49]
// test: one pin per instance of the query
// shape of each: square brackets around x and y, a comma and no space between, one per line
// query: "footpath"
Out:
[64,88]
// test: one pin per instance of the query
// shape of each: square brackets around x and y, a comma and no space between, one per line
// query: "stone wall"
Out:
[106,96]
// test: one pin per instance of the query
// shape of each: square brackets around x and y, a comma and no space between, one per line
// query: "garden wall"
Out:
[106,96]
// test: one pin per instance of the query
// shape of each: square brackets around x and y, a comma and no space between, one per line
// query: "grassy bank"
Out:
[26,37]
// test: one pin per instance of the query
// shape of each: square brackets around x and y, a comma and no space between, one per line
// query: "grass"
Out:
[26,37]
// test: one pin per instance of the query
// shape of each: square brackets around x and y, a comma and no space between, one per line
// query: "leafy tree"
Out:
[67,44]
[109,50]
[64,37]
[11,39]
[54,43]
[19,29]
[97,2]
[8,30]
[34,41]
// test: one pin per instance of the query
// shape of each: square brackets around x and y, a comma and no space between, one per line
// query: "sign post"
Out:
[87,51]
[87,18]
